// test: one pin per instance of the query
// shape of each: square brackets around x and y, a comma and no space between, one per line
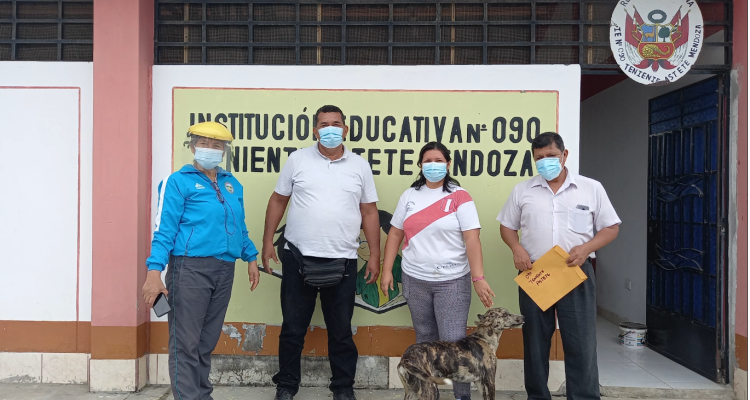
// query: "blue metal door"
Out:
[686,293]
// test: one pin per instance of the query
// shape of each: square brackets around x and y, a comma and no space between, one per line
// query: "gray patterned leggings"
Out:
[440,311]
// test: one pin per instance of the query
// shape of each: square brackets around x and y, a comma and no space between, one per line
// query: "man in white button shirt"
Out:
[332,195]
[558,207]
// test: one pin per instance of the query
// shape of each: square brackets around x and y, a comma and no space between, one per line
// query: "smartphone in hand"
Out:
[161,305]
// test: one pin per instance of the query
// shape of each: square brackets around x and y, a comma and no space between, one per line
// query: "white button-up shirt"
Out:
[324,218]
[568,218]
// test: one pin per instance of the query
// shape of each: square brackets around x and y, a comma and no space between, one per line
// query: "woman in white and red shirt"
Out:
[438,224]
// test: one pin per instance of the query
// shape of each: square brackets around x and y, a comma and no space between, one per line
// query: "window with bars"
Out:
[397,33]
[59,30]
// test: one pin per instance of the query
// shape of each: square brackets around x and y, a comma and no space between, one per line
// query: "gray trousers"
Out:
[440,311]
[576,314]
[199,291]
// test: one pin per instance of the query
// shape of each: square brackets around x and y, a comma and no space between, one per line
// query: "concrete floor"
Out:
[25,391]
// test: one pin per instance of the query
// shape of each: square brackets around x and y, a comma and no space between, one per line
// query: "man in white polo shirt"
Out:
[332,196]
[558,207]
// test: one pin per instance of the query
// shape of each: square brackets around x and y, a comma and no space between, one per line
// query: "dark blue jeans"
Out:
[576,314]
[297,307]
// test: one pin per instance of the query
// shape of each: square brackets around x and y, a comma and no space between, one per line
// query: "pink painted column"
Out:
[739,55]
[123,57]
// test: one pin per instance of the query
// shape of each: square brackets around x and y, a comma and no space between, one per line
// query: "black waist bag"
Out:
[317,271]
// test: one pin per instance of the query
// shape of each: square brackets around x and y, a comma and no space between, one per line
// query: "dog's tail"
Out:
[406,366]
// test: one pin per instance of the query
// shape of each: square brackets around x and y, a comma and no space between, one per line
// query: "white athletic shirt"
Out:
[433,222]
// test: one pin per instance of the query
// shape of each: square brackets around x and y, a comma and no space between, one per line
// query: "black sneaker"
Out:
[283,394]
[345,395]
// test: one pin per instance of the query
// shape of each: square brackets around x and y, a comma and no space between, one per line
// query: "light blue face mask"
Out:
[549,168]
[434,171]
[208,158]
[331,136]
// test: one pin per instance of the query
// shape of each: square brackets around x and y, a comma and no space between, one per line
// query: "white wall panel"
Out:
[45,205]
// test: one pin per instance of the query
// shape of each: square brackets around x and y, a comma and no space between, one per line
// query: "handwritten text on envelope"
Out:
[550,278]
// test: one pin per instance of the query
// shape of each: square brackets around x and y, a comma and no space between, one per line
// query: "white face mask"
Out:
[208,158]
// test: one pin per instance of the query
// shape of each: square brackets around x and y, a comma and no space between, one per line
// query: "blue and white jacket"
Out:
[197,219]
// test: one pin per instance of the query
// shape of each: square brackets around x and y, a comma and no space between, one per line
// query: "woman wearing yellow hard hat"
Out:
[200,233]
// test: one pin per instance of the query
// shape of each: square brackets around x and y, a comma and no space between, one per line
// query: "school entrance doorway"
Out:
[665,169]
[687,213]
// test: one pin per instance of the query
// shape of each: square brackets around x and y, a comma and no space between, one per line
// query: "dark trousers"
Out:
[199,291]
[297,307]
[576,314]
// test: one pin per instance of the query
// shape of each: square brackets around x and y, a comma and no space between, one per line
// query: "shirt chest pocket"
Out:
[351,182]
[580,221]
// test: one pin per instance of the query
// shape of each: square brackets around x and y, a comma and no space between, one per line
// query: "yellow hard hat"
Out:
[213,130]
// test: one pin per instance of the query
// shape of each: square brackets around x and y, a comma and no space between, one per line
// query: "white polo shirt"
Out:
[568,218]
[324,218]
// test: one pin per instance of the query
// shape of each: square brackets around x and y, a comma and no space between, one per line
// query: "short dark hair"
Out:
[546,139]
[329,109]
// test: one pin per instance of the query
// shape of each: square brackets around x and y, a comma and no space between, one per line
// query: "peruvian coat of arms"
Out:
[656,40]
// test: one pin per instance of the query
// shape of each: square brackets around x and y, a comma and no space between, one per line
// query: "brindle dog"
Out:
[424,366]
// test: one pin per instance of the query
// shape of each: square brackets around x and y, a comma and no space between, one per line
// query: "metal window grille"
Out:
[687,220]
[402,33]
[46,30]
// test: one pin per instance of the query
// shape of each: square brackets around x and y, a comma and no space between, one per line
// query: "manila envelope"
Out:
[550,278]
